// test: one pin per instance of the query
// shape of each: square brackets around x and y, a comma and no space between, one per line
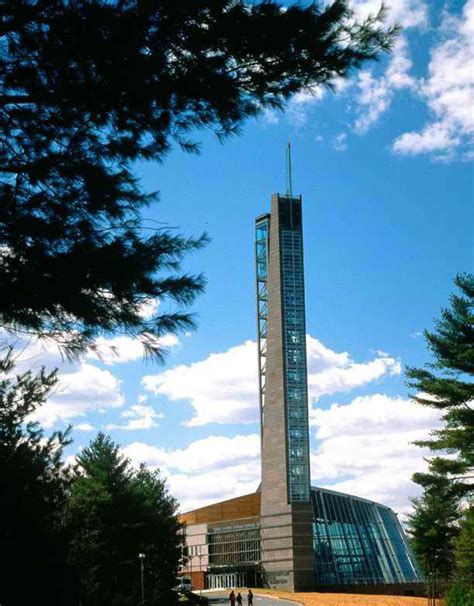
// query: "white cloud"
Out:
[375,94]
[433,138]
[340,142]
[398,70]
[139,417]
[366,447]
[330,372]
[223,387]
[298,107]
[363,448]
[149,308]
[35,352]
[448,91]
[346,378]
[271,116]
[139,452]
[208,454]
[301,103]
[123,349]
[208,470]
[367,415]
[88,389]
[203,489]
[84,427]
[408,13]
[373,100]
[82,388]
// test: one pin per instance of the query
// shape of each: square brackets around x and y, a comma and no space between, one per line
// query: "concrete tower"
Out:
[286,513]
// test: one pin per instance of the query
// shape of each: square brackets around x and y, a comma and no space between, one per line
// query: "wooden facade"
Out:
[247,506]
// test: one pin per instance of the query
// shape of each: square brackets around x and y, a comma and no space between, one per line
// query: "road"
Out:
[218,598]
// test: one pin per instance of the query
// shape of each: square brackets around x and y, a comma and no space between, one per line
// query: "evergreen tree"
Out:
[115,513]
[447,384]
[89,87]
[464,549]
[33,491]
[159,536]
[433,524]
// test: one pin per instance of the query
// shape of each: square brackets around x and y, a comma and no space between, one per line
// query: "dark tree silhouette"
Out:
[114,513]
[33,493]
[88,87]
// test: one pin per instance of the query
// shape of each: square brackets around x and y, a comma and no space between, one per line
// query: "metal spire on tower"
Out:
[289,185]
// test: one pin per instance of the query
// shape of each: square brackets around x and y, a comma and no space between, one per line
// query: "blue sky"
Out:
[385,171]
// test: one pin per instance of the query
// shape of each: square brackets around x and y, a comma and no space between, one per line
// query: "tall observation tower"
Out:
[287,553]
[288,534]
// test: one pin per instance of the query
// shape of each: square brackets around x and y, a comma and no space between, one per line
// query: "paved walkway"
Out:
[222,597]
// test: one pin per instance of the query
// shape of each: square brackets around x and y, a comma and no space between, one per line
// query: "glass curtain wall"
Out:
[359,542]
[235,543]
[294,343]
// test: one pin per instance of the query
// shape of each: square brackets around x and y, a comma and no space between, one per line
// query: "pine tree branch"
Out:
[78,108]
[16,100]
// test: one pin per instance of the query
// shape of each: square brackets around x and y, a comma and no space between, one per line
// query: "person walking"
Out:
[250,598]
[239,599]
[232,598]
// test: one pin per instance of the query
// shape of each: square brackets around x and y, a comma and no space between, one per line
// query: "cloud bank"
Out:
[223,387]
[364,448]
[448,92]
[213,469]
[83,387]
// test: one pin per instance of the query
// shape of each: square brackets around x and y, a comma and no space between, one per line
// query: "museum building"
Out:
[289,534]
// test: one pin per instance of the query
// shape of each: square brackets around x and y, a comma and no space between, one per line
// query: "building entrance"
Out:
[226,580]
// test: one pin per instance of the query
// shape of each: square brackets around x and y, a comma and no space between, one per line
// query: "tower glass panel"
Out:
[262,234]
[294,347]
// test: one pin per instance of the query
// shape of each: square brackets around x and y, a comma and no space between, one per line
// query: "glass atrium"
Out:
[359,542]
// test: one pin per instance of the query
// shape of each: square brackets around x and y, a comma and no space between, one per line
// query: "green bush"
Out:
[459,595]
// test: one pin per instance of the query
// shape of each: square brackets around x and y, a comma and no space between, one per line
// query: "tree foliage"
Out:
[441,539]
[447,384]
[91,86]
[33,492]
[433,524]
[459,595]
[70,536]
[115,513]
[464,548]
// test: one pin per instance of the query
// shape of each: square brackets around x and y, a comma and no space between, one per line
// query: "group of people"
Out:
[233,598]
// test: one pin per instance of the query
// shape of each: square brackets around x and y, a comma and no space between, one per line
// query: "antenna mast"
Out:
[289,185]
